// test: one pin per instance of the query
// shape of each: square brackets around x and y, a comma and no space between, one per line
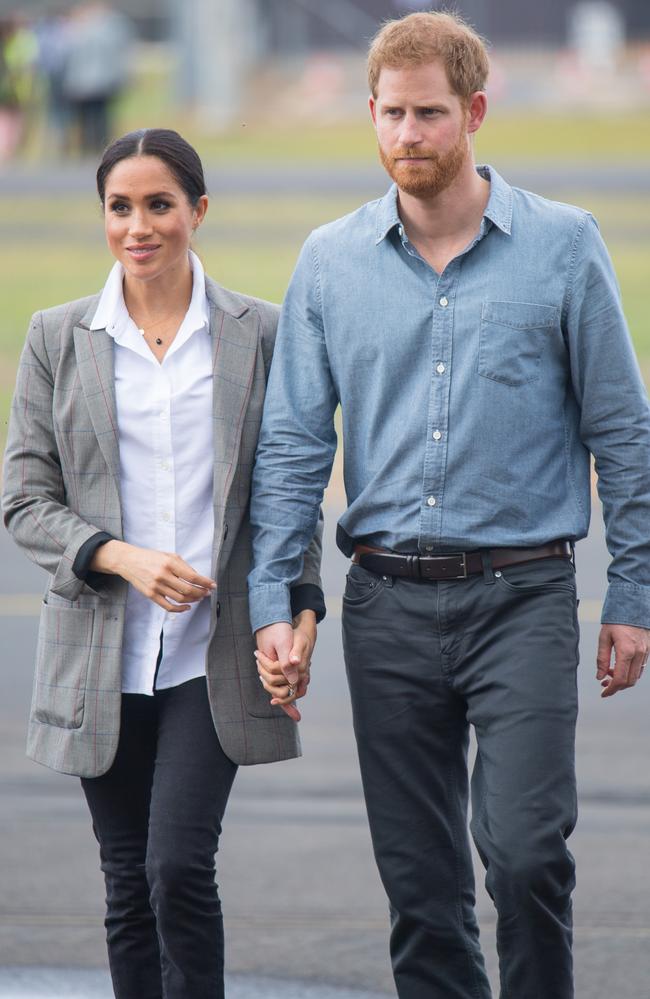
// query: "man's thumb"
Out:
[291,674]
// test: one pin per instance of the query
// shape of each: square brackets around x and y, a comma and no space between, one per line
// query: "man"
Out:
[473,336]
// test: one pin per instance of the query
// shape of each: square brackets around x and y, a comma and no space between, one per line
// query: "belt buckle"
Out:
[428,561]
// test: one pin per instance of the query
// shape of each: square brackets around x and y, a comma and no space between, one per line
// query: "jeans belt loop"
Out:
[488,572]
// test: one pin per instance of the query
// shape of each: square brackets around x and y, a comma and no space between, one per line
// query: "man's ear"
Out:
[372,104]
[476,110]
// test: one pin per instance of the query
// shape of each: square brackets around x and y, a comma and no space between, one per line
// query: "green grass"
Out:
[504,136]
[52,251]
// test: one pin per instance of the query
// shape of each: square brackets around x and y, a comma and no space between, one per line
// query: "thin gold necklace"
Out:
[150,326]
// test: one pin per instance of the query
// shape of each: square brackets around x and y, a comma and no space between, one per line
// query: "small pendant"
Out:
[158,341]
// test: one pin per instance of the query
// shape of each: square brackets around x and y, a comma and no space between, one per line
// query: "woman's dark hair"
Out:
[179,157]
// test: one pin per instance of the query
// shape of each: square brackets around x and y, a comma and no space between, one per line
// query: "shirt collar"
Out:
[498,209]
[111,313]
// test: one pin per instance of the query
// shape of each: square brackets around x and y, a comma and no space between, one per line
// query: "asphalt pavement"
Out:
[305,913]
[346,178]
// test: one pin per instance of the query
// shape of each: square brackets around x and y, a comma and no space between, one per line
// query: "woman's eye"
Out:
[119,207]
[159,205]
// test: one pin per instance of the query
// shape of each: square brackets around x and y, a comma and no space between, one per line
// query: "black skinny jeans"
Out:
[157,817]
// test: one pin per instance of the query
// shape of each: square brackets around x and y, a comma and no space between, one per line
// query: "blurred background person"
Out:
[53,34]
[95,71]
[18,51]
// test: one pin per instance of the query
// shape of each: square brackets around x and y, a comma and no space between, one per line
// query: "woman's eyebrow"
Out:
[157,194]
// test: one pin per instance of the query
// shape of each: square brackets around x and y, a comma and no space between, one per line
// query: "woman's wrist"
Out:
[109,557]
[306,621]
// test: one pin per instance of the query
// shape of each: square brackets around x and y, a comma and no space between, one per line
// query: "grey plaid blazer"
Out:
[61,486]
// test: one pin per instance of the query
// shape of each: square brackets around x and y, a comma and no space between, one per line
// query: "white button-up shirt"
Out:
[164,414]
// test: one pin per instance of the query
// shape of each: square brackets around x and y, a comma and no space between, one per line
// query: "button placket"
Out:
[438,415]
[163,465]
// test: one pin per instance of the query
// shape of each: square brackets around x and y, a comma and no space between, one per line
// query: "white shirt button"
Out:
[444,302]
[440,368]
[431,501]
[165,516]
[162,414]
[437,436]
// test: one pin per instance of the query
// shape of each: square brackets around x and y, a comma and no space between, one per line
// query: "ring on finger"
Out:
[292,690]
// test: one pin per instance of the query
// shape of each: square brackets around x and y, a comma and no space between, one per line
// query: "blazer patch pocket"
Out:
[512,339]
[64,646]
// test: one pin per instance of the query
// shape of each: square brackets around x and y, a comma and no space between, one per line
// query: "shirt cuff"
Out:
[269,603]
[83,558]
[627,603]
[308,596]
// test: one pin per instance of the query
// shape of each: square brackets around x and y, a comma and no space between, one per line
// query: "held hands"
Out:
[631,647]
[162,577]
[283,660]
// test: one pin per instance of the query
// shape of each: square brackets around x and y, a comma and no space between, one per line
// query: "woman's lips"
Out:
[142,253]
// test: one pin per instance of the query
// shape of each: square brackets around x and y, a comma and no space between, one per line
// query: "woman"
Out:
[127,471]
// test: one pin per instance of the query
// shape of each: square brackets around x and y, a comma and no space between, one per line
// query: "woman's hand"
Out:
[283,660]
[162,577]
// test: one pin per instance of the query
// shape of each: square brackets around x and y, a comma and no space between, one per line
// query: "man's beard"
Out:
[429,177]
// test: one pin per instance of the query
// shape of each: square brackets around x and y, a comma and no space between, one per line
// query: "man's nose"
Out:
[410,132]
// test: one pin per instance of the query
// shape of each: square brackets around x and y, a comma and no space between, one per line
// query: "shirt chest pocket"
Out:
[512,338]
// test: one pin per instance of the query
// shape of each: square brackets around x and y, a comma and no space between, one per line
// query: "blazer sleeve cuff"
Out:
[81,564]
[65,582]
[308,596]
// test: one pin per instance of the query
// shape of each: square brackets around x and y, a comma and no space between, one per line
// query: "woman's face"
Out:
[149,220]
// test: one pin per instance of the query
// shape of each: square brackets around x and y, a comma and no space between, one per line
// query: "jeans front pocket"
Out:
[512,339]
[361,586]
[538,576]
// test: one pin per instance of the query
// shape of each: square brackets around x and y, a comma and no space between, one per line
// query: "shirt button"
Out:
[431,501]
[437,436]
[165,466]
[440,368]
[165,516]
[161,414]
[444,302]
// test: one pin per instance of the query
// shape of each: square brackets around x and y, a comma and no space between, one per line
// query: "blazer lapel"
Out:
[94,352]
[234,328]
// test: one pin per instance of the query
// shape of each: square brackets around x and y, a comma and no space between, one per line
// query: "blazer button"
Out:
[218,608]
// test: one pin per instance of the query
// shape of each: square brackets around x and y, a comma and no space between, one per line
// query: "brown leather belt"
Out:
[455,566]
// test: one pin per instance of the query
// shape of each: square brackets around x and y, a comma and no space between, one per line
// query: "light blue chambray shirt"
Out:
[470,400]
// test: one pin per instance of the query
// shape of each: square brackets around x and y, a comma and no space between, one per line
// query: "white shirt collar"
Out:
[111,313]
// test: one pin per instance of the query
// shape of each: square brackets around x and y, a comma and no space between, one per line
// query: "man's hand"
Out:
[284,658]
[631,648]
[162,577]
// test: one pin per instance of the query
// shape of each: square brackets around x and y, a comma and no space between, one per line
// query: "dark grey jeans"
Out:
[157,815]
[425,661]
